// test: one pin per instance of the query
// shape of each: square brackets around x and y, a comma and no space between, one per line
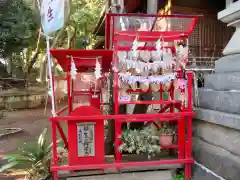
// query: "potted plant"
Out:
[166,135]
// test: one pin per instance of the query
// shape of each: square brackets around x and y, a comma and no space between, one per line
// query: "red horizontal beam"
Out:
[153,15]
[146,48]
[86,62]
[148,117]
[149,35]
[124,38]
[120,165]
[141,91]
[77,93]
[152,102]
[143,120]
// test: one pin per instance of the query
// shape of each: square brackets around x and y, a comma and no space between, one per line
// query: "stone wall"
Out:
[22,99]
[216,129]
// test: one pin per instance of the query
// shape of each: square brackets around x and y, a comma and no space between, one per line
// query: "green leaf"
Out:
[8,166]
[42,138]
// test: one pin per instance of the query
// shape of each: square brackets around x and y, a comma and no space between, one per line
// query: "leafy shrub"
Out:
[36,157]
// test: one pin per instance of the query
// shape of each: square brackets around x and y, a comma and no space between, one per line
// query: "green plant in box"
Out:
[143,141]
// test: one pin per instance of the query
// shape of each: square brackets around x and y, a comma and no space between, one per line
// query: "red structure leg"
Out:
[181,138]
[188,172]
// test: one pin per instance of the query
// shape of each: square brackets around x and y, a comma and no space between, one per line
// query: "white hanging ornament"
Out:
[167,58]
[134,49]
[158,48]
[73,69]
[97,70]
[183,51]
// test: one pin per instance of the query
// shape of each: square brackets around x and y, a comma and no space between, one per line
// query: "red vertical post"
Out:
[181,137]
[69,88]
[161,95]
[172,96]
[190,94]
[54,149]
[189,129]
[118,130]
[107,31]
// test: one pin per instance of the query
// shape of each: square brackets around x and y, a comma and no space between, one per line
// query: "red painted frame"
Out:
[73,158]
[185,114]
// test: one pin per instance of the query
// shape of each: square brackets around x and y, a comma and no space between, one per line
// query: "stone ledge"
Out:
[220,118]
[217,159]
[222,81]
[223,137]
[225,101]
[200,174]
[230,63]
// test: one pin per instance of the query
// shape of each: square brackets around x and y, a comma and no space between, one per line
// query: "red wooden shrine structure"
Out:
[86,123]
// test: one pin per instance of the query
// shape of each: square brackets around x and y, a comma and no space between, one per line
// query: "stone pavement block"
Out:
[150,175]
[226,101]
[222,81]
[221,118]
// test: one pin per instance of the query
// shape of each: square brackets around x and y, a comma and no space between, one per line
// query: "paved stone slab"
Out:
[217,117]
[225,101]
[230,63]
[222,81]
[150,175]
[220,161]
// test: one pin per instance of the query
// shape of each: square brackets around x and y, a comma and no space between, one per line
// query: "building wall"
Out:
[210,35]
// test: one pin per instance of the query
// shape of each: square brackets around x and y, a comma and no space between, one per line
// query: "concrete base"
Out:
[153,175]
[220,161]
[216,142]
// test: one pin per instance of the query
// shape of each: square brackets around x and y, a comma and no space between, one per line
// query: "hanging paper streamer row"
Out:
[164,54]
[145,67]
[129,79]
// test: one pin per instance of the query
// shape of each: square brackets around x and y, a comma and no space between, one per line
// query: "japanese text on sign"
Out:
[86,140]
[52,15]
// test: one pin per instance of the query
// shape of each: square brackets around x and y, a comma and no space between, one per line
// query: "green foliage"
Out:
[84,17]
[145,140]
[85,14]
[179,177]
[19,23]
[36,157]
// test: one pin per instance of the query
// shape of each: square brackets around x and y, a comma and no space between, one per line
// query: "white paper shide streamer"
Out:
[97,70]
[73,69]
